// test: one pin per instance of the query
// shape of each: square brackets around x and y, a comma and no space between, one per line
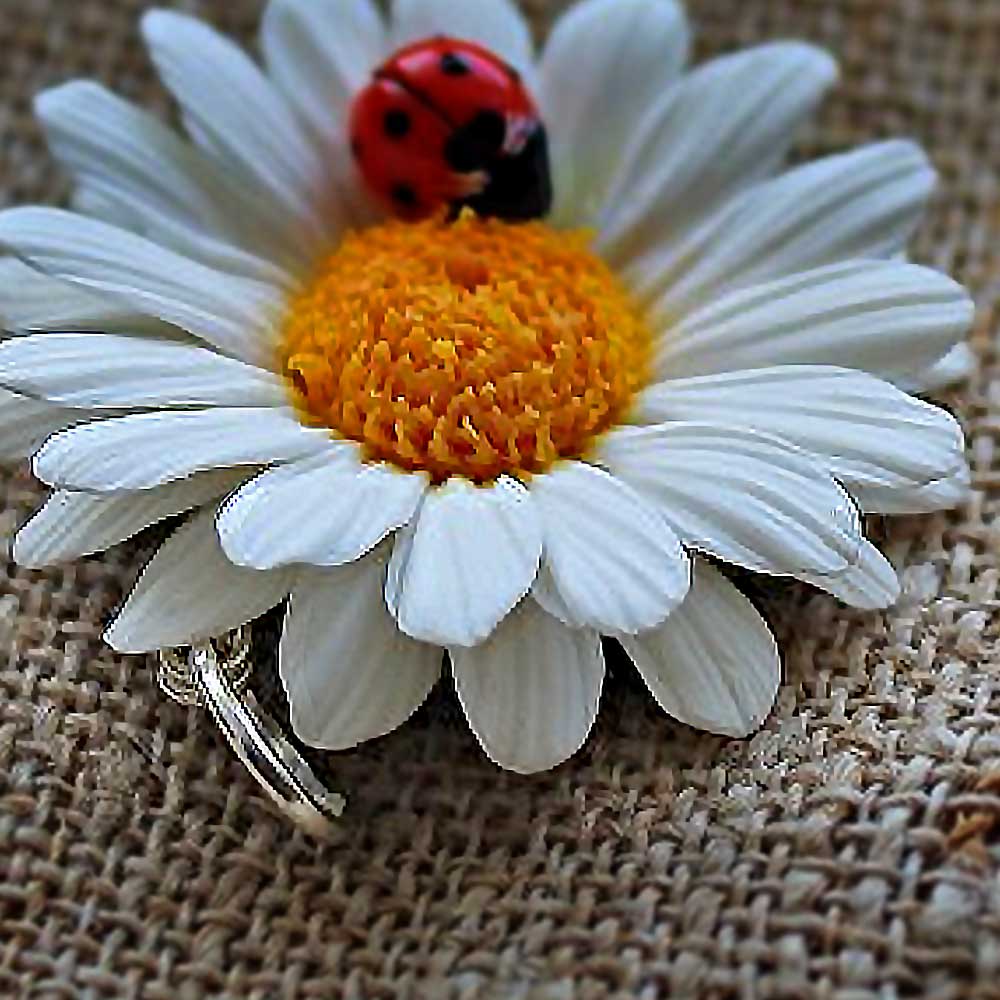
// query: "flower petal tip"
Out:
[120,641]
[157,20]
[819,61]
[316,737]
[21,554]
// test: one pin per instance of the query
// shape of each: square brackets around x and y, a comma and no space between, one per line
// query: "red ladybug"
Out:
[446,122]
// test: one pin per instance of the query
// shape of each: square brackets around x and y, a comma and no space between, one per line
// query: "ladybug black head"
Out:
[520,185]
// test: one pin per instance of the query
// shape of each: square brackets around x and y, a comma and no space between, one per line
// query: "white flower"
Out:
[786,328]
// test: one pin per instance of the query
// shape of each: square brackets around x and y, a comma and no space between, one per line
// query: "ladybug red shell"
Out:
[446,122]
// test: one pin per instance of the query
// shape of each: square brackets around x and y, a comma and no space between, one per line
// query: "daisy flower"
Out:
[499,440]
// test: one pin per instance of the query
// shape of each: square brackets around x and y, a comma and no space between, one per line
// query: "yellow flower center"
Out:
[473,349]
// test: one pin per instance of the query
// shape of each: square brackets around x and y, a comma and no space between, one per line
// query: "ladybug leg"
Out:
[469,185]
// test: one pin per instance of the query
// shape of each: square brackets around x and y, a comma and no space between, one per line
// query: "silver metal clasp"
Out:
[214,674]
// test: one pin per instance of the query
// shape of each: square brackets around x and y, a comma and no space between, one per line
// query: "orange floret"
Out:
[474,348]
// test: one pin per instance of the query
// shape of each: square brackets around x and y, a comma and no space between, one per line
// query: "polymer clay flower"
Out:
[504,440]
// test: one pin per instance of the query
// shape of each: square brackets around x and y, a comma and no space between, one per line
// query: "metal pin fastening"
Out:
[214,674]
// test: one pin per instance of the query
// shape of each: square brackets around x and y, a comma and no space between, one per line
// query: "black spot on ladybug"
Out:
[473,145]
[355,147]
[454,65]
[396,123]
[515,77]
[404,195]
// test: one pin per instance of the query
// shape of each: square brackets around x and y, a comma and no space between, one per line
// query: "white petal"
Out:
[71,525]
[147,449]
[530,692]
[25,423]
[471,555]
[119,152]
[751,500]
[103,370]
[320,53]
[233,314]
[865,203]
[726,125]
[349,673]
[235,114]
[713,664]
[633,50]
[100,204]
[940,494]
[885,317]
[30,300]
[546,593]
[862,430]
[871,583]
[104,203]
[616,563]
[108,205]
[955,366]
[326,511]
[496,24]
[191,591]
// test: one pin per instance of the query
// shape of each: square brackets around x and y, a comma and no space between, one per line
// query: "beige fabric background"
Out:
[849,851]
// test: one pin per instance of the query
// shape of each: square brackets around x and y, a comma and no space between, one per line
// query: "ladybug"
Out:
[446,122]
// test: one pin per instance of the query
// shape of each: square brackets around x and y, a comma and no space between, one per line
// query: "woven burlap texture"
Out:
[848,851]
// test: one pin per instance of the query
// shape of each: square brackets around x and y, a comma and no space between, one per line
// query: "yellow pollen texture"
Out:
[473,348]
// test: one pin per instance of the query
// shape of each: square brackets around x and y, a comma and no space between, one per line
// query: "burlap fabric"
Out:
[847,851]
